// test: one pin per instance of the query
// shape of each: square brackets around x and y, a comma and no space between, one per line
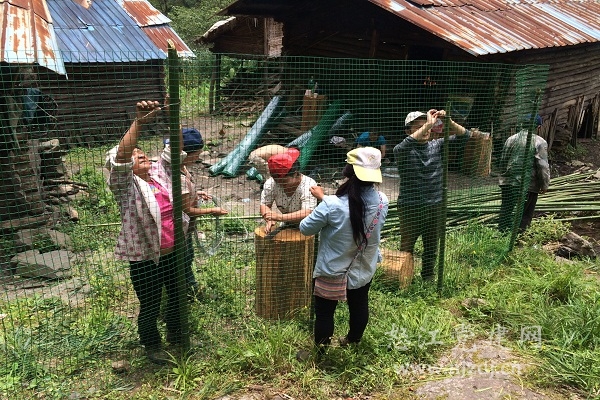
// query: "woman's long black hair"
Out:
[353,187]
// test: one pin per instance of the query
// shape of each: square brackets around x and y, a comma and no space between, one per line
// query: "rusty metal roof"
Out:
[480,27]
[483,27]
[102,32]
[27,35]
[162,34]
[144,13]
[156,26]
[51,32]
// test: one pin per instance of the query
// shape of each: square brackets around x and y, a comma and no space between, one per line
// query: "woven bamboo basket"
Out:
[398,266]
[284,266]
[478,155]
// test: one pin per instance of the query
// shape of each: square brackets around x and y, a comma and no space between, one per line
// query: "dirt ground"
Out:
[242,195]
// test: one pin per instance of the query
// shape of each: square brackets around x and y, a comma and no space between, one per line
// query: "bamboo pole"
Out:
[576,192]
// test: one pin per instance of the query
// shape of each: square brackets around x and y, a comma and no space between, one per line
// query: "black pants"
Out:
[358,305]
[148,279]
[190,278]
[424,221]
[510,197]
[528,210]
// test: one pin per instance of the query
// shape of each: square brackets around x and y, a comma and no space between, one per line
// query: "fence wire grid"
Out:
[68,304]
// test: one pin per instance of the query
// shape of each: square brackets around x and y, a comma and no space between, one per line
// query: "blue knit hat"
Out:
[192,140]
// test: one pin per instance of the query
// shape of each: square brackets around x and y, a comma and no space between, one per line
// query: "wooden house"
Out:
[113,54]
[71,73]
[563,35]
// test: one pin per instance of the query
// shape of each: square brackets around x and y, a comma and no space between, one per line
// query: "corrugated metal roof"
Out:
[103,32]
[144,13]
[480,27]
[51,32]
[27,36]
[156,26]
[162,34]
[483,27]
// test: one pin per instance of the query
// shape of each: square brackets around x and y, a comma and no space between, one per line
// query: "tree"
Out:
[191,18]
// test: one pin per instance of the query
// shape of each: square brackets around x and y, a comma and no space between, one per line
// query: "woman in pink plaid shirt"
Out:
[143,191]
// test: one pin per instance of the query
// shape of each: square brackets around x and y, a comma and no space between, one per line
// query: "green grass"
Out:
[194,99]
[239,349]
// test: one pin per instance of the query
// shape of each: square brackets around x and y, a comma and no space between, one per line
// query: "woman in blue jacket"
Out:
[349,224]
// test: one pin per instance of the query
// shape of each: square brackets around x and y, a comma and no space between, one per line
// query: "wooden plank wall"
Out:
[246,38]
[574,72]
[97,101]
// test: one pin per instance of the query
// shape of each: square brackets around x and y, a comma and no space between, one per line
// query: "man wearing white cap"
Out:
[420,167]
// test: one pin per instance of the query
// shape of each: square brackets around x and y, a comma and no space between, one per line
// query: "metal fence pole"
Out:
[442,220]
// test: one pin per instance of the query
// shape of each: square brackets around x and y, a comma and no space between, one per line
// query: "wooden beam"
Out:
[374,43]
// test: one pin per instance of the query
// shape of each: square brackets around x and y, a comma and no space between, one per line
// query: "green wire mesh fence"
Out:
[68,303]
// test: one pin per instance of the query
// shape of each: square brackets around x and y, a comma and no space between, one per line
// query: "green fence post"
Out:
[176,145]
[442,220]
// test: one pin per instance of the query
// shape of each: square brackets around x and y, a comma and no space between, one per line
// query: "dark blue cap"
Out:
[538,119]
[192,140]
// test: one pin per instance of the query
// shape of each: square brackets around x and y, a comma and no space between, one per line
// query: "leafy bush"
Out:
[7,249]
[186,20]
[544,230]
[44,244]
